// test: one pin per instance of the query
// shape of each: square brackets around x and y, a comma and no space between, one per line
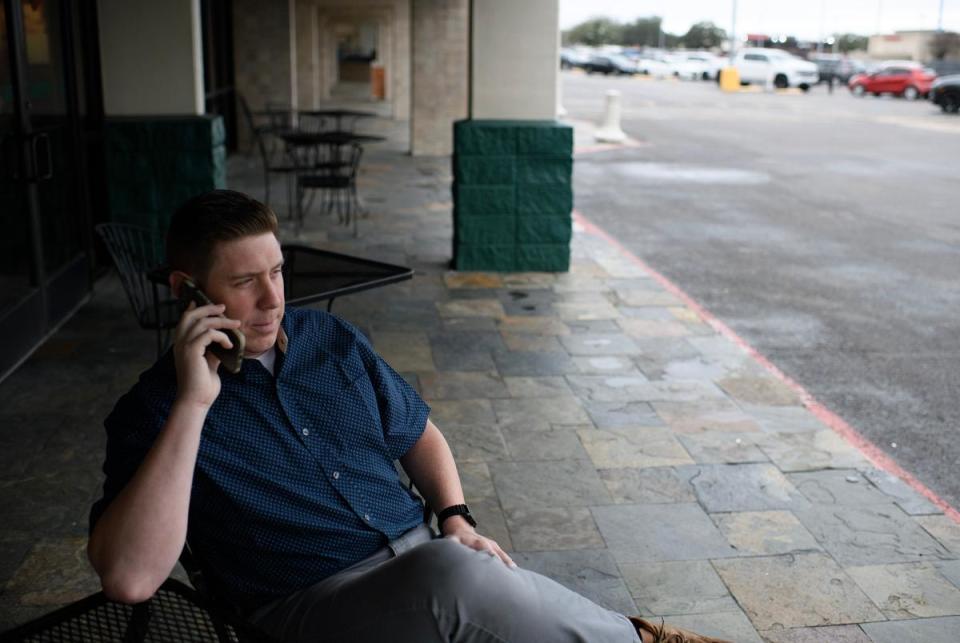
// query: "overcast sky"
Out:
[801,18]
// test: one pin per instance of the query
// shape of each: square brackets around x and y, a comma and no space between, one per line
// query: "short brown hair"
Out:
[210,218]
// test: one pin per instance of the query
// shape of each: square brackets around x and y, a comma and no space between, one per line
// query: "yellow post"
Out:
[730,79]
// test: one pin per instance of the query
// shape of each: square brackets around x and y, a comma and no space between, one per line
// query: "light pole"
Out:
[733,32]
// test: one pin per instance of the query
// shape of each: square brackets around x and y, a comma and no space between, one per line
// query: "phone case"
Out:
[232,359]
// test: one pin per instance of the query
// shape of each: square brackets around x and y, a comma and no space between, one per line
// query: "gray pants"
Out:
[421,590]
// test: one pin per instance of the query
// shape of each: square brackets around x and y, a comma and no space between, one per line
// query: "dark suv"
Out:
[945,92]
[610,65]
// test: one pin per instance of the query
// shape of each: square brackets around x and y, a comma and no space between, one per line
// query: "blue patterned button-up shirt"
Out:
[295,477]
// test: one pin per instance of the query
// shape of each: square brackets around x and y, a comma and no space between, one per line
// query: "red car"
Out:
[907,79]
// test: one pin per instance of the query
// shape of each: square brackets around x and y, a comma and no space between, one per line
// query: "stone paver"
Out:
[538,528]
[759,390]
[404,351]
[647,486]
[908,590]
[522,413]
[795,590]
[837,487]
[905,497]
[633,447]
[451,385]
[944,530]
[475,442]
[809,450]
[763,533]
[537,386]
[677,587]
[599,344]
[832,633]
[730,626]
[869,535]
[660,532]
[608,415]
[555,444]
[744,487]
[927,630]
[723,448]
[562,483]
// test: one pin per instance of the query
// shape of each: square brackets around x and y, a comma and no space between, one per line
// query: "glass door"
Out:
[44,239]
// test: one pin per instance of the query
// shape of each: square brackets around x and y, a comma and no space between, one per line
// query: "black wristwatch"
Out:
[455,510]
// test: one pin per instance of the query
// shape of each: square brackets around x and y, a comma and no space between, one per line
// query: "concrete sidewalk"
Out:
[605,432]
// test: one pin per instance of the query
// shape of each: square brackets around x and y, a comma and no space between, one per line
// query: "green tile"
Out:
[543,200]
[485,170]
[470,200]
[544,229]
[495,258]
[543,258]
[544,170]
[555,140]
[483,139]
[487,231]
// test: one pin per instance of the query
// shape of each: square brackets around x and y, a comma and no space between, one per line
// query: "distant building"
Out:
[902,45]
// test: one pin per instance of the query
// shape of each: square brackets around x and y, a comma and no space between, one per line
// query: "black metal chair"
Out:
[175,613]
[273,155]
[136,251]
[337,183]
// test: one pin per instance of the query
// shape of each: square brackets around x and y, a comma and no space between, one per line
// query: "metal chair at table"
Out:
[136,251]
[274,157]
[337,182]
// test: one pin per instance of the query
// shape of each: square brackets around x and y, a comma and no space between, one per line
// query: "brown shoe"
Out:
[664,633]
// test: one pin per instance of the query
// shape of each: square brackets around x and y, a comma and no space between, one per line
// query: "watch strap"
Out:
[455,510]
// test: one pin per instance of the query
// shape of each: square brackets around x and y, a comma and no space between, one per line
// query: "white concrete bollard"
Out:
[610,131]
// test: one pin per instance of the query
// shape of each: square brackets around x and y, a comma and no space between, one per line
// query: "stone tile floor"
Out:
[605,433]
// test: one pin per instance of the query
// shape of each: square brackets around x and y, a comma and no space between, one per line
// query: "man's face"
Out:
[246,277]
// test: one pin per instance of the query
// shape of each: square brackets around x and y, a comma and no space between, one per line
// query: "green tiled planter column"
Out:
[512,195]
[155,163]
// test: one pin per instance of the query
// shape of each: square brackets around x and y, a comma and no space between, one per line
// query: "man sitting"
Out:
[282,476]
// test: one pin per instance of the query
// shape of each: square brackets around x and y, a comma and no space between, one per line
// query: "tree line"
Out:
[648,32]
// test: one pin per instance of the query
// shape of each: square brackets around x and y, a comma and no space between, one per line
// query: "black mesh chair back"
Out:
[273,156]
[175,613]
[136,251]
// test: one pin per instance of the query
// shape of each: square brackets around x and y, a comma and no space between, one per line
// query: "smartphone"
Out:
[231,358]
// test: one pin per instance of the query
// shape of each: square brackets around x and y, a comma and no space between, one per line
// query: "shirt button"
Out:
[336,475]
[366,517]
[306,431]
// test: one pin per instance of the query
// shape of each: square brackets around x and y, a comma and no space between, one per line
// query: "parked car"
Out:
[945,92]
[610,64]
[898,77]
[696,65]
[572,59]
[653,64]
[838,66]
[781,68]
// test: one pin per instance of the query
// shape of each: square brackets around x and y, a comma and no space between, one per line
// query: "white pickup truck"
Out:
[775,67]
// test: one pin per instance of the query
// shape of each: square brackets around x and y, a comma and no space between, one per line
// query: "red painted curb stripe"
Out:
[871,451]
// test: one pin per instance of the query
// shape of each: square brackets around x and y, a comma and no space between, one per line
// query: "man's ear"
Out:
[176,278]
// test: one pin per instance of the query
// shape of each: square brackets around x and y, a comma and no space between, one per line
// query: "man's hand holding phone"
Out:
[200,328]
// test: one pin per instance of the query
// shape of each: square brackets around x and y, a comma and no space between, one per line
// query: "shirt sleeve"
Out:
[403,413]
[132,427]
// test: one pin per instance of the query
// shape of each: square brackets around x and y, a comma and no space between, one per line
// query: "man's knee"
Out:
[455,572]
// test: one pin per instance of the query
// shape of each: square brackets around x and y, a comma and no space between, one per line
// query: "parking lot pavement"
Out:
[607,431]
